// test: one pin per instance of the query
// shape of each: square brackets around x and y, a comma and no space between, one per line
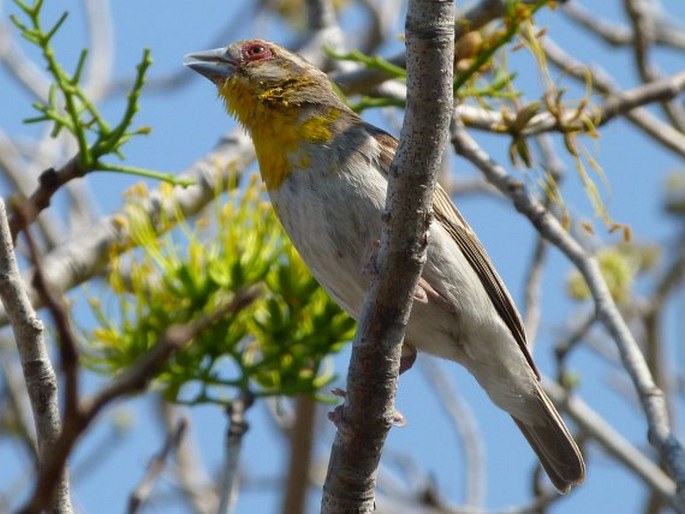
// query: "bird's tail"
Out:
[550,439]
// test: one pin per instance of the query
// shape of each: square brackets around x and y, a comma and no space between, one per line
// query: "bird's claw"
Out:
[370,269]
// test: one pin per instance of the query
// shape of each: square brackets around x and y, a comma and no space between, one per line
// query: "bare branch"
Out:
[661,132]
[466,427]
[101,48]
[237,428]
[651,397]
[620,35]
[191,475]
[374,365]
[611,441]
[155,467]
[533,290]
[49,182]
[39,374]
[641,13]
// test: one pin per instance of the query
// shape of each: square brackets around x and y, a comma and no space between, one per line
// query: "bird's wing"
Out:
[456,226]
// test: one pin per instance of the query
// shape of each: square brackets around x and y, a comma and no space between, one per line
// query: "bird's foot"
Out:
[337,418]
[408,357]
[370,269]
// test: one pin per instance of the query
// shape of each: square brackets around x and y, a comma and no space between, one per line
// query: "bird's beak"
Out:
[217,65]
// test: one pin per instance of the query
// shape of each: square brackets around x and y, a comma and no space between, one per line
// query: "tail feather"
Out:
[558,453]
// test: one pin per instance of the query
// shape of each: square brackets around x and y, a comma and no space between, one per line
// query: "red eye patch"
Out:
[256,51]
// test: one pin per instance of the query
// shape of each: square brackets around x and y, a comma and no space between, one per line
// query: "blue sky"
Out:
[187,123]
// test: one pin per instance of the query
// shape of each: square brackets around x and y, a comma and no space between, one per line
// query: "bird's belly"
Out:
[334,225]
[334,221]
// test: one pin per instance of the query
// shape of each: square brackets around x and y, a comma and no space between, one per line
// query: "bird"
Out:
[325,170]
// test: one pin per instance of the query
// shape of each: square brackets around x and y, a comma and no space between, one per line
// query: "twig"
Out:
[619,35]
[22,177]
[368,412]
[155,467]
[641,13]
[39,374]
[237,428]
[651,397]
[651,319]
[552,164]
[661,132]
[191,475]
[466,427]
[533,290]
[616,103]
[564,347]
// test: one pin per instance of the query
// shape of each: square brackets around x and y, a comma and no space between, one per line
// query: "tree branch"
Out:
[661,132]
[616,103]
[155,467]
[237,428]
[300,460]
[611,441]
[651,397]
[368,412]
[39,374]
[133,380]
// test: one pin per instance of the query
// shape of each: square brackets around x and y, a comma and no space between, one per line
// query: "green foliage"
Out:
[69,108]
[277,345]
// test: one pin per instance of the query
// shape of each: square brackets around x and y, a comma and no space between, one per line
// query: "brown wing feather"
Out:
[450,218]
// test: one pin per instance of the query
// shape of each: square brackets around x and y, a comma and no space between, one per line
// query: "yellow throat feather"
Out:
[275,121]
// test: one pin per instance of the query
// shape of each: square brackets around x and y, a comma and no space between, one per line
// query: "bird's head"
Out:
[254,73]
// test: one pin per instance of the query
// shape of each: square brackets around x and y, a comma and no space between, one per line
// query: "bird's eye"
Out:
[256,52]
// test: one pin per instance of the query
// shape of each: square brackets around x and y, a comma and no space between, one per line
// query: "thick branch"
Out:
[39,374]
[372,379]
